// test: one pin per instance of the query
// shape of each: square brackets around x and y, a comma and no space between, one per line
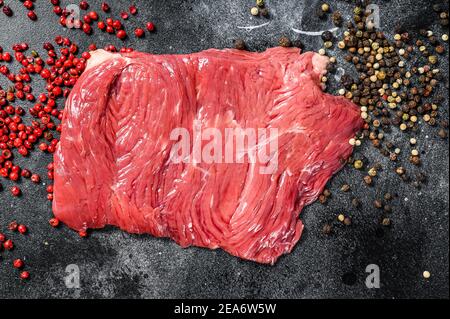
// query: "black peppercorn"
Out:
[239,44]
[264,12]
[298,44]
[327,36]
[320,13]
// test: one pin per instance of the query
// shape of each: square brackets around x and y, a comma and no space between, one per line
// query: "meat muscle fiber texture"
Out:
[113,161]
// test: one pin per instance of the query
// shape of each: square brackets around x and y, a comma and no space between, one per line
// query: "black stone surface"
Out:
[116,264]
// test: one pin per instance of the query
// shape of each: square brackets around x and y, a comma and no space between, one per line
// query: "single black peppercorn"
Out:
[327,36]
[298,44]
[356,202]
[239,44]
[264,12]
[320,14]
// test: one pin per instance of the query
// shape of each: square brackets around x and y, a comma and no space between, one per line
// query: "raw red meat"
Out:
[113,166]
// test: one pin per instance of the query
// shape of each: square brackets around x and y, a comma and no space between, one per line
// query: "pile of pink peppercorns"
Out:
[59,63]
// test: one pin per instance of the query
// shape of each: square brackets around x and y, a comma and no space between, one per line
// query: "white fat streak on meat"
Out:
[98,57]
[169,68]
[201,63]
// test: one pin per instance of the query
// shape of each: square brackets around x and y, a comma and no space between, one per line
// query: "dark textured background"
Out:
[116,264]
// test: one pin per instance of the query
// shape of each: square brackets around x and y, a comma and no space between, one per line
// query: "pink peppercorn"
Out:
[121,34]
[105,7]
[18,263]
[22,229]
[139,32]
[133,9]
[150,26]
[24,275]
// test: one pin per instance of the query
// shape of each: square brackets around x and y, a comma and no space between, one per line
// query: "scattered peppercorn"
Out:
[18,263]
[105,7]
[8,245]
[239,44]
[139,32]
[24,275]
[83,233]
[325,7]
[298,44]
[264,12]
[121,34]
[32,15]
[7,11]
[54,222]
[22,229]
[337,18]
[356,202]
[358,164]
[15,191]
[400,170]
[150,26]
[35,178]
[284,42]
[327,36]
[347,221]
[13,226]
[84,5]
[327,229]
[320,14]
[133,10]
[254,11]
[378,204]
